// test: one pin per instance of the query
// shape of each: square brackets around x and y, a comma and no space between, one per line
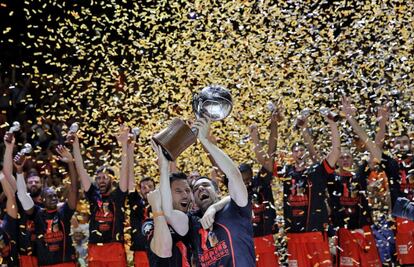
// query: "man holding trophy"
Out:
[229,240]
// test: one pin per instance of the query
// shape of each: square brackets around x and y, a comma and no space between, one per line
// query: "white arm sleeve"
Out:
[24,197]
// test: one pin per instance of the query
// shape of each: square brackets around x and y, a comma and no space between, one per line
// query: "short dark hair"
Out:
[105,169]
[147,178]
[215,185]
[244,167]
[32,172]
[45,190]
[177,176]
[296,144]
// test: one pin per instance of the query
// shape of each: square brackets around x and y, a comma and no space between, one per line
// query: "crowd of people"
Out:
[326,210]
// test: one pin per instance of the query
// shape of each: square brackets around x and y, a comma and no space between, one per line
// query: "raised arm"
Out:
[131,163]
[276,117]
[349,111]
[66,157]
[237,188]
[8,163]
[305,131]
[11,207]
[335,152]
[210,214]
[24,197]
[123,140]
[382,119]
[258,148]
[80,168]
[161,243]
[177,219]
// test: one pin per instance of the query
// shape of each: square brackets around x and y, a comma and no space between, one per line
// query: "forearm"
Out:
[380,135]
[309,144]
[222,203]
[131,174]
[123,180]
[237,188]
[80,168]
[161,243]
[372,148]
[24,197]
[335,152]
[8,167]
[273,136]
[8,161]
[73,187]
[11,207]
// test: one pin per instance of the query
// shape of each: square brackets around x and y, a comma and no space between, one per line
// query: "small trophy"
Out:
[26,150]
[213,102]
[324,111]
[74,128]
[134,134]
[300,121]
[10,133]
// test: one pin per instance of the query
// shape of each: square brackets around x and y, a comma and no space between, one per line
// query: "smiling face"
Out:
[34,185]
[402,144]
[204,193]
[181,195]
[298,153]
[104,182]
[50,199]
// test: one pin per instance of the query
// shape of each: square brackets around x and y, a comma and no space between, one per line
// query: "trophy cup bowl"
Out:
[213,102]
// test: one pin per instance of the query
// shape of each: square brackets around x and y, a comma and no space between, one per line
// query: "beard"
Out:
[35,192]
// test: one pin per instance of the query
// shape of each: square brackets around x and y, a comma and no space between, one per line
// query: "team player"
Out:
[381,174]
[305,209]
[8,229]
[139,209]
[229,240]
[54,245]
[401,185]
[26,236]
[351,215]
[260,194]
[106,226]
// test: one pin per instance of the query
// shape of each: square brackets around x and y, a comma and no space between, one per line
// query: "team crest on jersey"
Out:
[147,228]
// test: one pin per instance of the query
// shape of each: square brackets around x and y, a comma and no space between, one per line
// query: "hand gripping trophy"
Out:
[213,102]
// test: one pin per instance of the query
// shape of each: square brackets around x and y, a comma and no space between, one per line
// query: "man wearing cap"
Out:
[106,226]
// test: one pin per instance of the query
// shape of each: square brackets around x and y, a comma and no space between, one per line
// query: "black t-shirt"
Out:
[27,236]
[180,251]
[54,244]
[406,171]
[349,205]
[8,239]
[261,196]
[304,195]
[107,216]
[139,213]
[230,243]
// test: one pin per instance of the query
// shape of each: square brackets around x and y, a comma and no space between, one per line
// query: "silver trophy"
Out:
[10,133]
[26,150]
[213,102]
[73,129]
